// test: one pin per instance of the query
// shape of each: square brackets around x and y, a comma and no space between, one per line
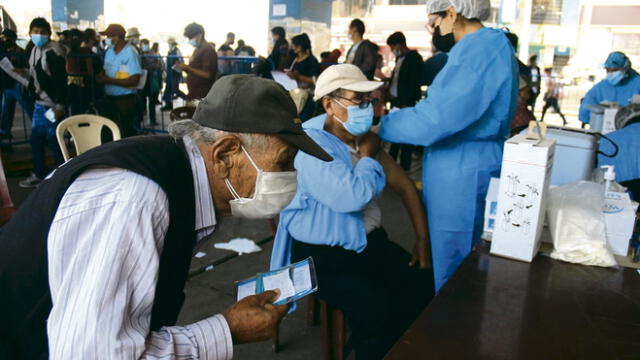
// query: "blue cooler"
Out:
[575,155]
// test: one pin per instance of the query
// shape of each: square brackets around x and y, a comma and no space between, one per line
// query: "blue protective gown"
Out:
[604,91]
[627,162]
[463,125]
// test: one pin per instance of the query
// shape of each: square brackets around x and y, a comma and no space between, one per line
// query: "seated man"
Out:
[335,218]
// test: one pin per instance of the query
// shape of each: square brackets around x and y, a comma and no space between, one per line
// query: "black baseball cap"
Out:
[248,104]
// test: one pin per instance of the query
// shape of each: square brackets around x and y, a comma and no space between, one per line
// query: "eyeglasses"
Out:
[361,103]
[431,21]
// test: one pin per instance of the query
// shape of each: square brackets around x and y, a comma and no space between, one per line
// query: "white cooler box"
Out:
[575,155]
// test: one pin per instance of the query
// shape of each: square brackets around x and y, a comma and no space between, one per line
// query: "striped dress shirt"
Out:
[104,249]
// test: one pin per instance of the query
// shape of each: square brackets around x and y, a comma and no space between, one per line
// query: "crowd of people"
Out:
[68,282]
[114,73]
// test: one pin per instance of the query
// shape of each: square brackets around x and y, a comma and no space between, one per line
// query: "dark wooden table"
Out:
[496,308]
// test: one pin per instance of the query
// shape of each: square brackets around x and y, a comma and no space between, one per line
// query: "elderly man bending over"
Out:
[335,218]
[94,263]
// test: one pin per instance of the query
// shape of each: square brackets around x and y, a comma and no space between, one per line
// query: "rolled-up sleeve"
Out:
[338,185]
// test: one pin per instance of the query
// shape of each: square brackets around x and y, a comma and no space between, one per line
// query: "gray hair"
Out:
[202,135]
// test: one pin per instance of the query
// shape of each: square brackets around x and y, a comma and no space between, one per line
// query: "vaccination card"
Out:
[294,282]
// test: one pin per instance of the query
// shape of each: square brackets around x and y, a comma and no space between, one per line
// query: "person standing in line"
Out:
[133,37]
[151,62]
[363,53]
[405,88]
[536,80]
[203,64]
[552,95]
[48,84]
[14,92]
[173,78]
[304,70]
[120,77]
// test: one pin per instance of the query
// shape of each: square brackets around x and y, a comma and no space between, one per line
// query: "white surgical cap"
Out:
[470,9]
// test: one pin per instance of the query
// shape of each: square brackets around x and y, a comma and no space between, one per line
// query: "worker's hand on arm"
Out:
[255,318]
[369,145]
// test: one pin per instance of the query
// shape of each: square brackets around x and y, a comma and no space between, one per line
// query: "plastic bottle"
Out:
[609,177]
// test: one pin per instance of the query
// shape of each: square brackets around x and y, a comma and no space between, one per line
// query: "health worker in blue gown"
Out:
[462,125]
[620,85]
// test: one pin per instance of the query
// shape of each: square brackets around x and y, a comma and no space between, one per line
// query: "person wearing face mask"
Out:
[404,88]
[462,124]
[133,37]
[363,53]
[335,218]
[203,63]
[304,70]
[120,76]
[281,56]
[620,85]
[48,86]
[95,261]
[151,62]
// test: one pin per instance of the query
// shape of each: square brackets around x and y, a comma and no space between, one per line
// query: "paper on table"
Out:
[283,79]
[7,66]
[279,280]
[302,278]
[246,289]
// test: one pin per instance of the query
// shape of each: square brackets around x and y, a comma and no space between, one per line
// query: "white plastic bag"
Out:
[577,224]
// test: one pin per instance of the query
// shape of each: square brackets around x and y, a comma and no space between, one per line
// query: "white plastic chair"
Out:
[86,131]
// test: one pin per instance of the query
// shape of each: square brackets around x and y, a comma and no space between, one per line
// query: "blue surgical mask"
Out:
[145,47]
[359,120]
[193,42]
[107,42]
[39,40]
[615,77]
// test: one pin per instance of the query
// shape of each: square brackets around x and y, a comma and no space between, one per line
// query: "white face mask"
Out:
[273,192]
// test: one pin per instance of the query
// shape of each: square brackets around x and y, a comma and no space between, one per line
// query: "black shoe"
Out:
[166,108]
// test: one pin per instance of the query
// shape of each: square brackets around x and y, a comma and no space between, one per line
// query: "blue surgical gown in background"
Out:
[604,91]
[463,125]
[627,162]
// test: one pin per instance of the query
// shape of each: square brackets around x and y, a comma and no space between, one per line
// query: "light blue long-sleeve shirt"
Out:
[327,208]
[604,91]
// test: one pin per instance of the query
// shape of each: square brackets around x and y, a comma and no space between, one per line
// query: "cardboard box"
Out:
[524,182]
[620,218]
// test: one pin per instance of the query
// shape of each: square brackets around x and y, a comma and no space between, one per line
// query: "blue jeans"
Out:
[9,99]
[43,134]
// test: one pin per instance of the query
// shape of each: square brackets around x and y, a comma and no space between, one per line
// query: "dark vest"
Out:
[25,299]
